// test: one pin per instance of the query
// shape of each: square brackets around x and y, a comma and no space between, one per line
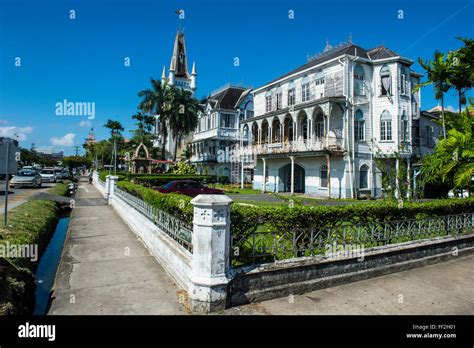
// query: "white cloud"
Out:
[19,133]
[67,140]
[87,124]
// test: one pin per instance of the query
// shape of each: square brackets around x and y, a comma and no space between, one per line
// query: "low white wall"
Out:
[98,186]
[174,259]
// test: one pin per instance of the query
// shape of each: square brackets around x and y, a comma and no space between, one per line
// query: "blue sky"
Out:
[82,60]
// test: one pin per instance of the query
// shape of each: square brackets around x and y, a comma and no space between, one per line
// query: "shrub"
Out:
[223,179]
[245,219]
[183,167]
[175,204]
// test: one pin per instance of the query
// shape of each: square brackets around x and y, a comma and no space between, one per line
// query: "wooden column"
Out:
[292,158]
[328,157]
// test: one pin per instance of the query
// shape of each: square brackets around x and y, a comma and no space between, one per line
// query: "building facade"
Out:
[215,140]
[318,128]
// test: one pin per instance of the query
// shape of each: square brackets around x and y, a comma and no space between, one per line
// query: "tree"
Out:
[453,159]
[116,138]
[155,101]
[76,161]
[28,158]
[183,117]
[461,69]
[438,76]
[143,133]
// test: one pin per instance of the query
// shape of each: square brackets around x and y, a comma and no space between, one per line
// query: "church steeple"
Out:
[178,64]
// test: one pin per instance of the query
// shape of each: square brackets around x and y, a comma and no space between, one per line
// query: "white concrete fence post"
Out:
[95,177]
[211,253]
[110,185]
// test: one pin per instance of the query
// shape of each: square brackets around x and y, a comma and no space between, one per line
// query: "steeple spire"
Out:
[179,63]
[163,74]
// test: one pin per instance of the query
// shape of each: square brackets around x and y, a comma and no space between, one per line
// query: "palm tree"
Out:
[145,125]
[438,76]
[116,130]
[461,69]
[155,101]
[453,159]
[183,117]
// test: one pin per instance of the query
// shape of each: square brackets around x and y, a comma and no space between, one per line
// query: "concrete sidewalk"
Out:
[105,269]
[445,288]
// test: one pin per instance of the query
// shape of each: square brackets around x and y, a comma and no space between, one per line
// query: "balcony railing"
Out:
[302,145]
[221,133]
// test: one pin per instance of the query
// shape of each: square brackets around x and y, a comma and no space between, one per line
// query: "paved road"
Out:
[19,196]
[441,289]
[105,269]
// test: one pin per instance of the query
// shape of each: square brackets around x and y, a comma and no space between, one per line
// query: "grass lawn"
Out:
[235,189]
[259,203]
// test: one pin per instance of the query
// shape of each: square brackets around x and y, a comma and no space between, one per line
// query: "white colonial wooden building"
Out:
[318,128]
[215,139]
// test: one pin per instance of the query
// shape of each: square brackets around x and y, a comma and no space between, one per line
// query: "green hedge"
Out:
[173,203]
[245,219]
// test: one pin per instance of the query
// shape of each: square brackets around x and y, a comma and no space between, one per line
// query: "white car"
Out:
[48,175]
[26,177]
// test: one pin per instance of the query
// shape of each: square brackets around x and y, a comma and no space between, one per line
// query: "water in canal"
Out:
[46,271]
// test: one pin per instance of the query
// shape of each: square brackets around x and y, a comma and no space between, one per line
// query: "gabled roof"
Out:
[242,97]
[381,52]
[226,98]
[351,49]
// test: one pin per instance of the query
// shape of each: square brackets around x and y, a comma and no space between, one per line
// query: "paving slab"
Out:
[105,268]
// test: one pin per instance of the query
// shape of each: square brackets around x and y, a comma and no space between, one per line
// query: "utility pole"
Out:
[77,150]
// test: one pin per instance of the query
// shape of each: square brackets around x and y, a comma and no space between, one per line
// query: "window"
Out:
[208,122]
[403,82]
[429,136]
[319,129]
[304,128]
[359,76]
[324,175]
[305,90]
[386,126]
[359,126]
[279,98]
[363,177]
[385,81]
[319,82]
[405,129]
[227,120]
[291,97]
[268,101]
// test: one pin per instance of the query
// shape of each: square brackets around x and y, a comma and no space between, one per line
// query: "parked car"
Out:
[26,177]
[48,175]
[65,174]
[188,188]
